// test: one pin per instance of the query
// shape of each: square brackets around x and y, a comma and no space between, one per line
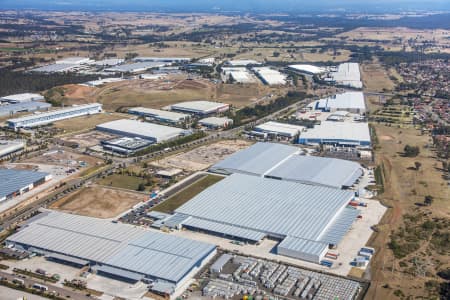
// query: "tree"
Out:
[141,187]
[411,151]
[417,165]
[428,200]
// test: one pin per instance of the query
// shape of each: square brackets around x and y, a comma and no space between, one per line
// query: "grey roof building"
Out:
[16,182]
[11,109]
[283,162]
[311,217]
[117,250]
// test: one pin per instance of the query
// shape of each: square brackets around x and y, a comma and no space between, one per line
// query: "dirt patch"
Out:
[88,122]
[99,202]
[404,186]
[202,157]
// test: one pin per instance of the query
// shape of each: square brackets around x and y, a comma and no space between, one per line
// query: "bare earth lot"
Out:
[88,122]
[99,202]
[202,157]
[404,186]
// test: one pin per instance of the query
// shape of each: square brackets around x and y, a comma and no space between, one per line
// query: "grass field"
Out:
[98,201]
[187,194]
[122,181]
[88,122]
[404,186]
[375,78]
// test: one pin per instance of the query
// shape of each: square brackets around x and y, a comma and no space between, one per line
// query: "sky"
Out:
[257,6]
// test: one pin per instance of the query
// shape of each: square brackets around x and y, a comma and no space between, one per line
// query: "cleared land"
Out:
[376,78]
[122,181]
[99,202]
[187,194]
[202,157]
[419,250]
[88,122]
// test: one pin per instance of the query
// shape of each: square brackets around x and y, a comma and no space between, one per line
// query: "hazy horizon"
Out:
[257,6]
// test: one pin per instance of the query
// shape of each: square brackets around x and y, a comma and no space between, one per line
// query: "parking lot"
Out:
[245,275]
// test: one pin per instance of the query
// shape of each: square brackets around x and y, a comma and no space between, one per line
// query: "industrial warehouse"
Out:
[31,106]
[24,97]
[113,250]
[53,116]
[352,102]
[283,162]
[200,107]
[16,182]
[343,134]
[144,130]
[158,115]
[306,218]
[10,147]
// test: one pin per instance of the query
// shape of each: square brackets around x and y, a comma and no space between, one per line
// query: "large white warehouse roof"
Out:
[309,69]
[275,208]
[200,107]
[350,101]
[145,130]
[270,76]
[169,116]
[25,97]
[337,132]
[277,128]
[283,162]
[255,160]
[347,74]
[121,248]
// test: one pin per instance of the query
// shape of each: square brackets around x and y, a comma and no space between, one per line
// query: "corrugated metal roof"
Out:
[324,171]
[199,106]
[57,112]
[277,208]
[119,272]
[220,262]
[304,246]
[280,128]
[141,129]
[117,245]
[13,180]
[340,226]
[225,229]
[255,160]
[348,100]
[338,131]
[157,113]
[6,110]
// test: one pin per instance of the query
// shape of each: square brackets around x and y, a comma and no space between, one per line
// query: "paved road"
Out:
[61,291]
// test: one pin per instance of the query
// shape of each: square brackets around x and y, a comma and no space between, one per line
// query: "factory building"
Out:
[107,62]
[239,75]
[113,250]
[242,62]
[307,219]
[16,182]
[55,68]
[75,60]
[19,98]
[126,145]
[270,76]
[55,115]
[10,147]
[11,109]
[307,69]
[283,162]
[158,115]
[346,74]
[277,129]
[144,130]
[216,122]
[136,67]
[344,134]
[200,107]
[163,59]
[352,102]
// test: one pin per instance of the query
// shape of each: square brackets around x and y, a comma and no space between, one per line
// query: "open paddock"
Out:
[202,157]
[99,202]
